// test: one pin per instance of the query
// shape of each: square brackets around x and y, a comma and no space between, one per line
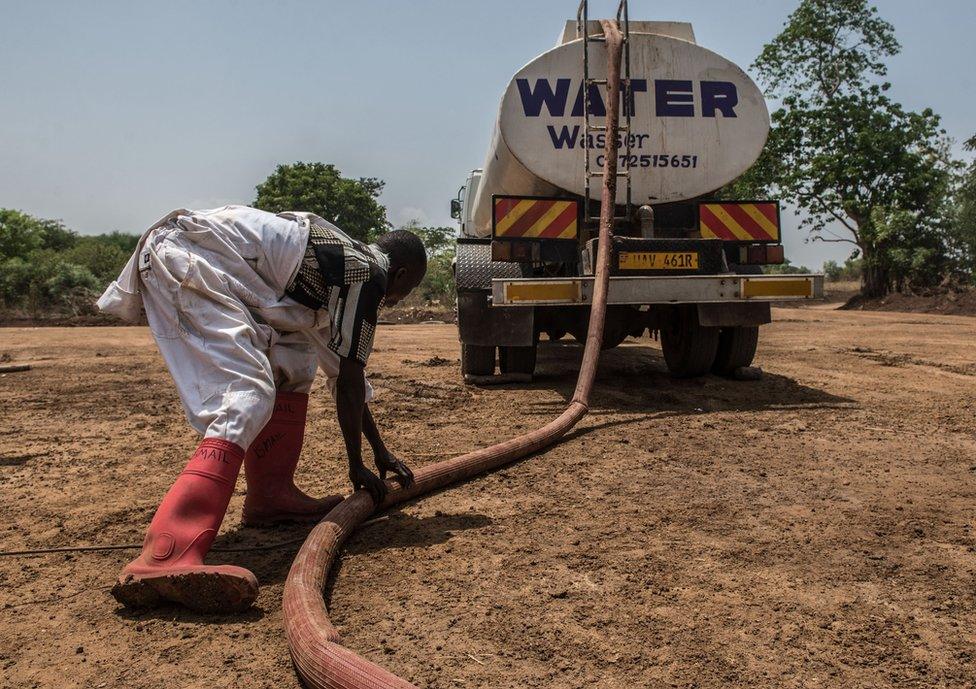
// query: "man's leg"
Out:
[271,460]
[170,567]
[215,352]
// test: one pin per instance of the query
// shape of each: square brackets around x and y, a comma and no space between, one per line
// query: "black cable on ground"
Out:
[135,546]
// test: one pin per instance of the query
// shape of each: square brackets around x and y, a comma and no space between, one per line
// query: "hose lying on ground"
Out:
[321,662]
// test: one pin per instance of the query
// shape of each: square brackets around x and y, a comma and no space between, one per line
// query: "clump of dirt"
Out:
[437,361]
[889,358]
[417,314]
[951,302]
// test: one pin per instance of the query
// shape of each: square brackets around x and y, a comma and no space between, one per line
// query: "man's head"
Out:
[408,263]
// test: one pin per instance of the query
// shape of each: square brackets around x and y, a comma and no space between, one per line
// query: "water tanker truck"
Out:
[687,262]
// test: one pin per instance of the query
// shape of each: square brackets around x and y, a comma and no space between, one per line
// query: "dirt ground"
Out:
[813,529]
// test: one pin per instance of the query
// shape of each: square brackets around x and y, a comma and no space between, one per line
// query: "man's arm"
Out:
[372,433]
[351,410]
[385,460]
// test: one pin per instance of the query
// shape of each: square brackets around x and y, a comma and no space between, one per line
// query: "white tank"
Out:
[697,123]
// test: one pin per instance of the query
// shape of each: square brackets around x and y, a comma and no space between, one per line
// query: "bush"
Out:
[70,287]
[438,283]
[101,255]
[849,272]
[47,269]
[47,282]
[15,281]
[785,268]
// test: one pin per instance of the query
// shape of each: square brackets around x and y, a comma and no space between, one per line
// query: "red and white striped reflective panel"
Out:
[740,222]
[522,218]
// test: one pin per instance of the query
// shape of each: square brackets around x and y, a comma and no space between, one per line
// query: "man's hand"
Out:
[387,461]
[362,477]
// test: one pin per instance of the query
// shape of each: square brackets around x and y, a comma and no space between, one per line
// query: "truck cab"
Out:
[463,211]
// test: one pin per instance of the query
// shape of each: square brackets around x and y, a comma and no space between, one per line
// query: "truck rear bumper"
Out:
[690,289]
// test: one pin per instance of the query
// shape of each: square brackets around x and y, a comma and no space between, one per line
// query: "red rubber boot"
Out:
[171,567]
[272,496]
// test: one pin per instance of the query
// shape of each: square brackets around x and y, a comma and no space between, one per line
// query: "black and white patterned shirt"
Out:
[348,278]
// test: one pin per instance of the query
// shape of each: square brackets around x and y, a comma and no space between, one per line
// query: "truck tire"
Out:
[517,359]
[689,348]
[477,360]
[736,348]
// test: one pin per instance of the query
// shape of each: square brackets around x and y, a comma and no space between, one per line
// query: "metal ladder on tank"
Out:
[582,21]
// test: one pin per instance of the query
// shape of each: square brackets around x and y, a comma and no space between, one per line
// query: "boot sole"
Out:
[202,590]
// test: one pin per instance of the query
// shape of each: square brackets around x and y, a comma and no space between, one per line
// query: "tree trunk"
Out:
[875,281]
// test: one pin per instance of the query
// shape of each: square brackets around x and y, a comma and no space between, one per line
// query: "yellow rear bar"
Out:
[552,291]
[657,289]
[777,287]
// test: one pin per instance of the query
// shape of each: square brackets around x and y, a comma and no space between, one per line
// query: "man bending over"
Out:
[244,305]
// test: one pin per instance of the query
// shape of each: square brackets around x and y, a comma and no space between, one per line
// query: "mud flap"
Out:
[479,323]
[728,315]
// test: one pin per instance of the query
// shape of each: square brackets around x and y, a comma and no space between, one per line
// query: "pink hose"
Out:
[321,662]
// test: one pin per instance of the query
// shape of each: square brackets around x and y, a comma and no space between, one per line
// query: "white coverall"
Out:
[212,285]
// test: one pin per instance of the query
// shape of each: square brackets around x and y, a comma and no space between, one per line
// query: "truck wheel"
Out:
[517,359]
[478,360]
[736,348]
[689,348]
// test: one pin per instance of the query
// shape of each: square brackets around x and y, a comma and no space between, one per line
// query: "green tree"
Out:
[964,222]
[321,189]
[102,255]
[124,241]
[438,283]
[786,268]
[55,236]
[757,182]
[851,270]
[21,234]
[828,48]
[437,240]
[847,156]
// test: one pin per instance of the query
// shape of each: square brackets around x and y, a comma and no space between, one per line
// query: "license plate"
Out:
[658,260]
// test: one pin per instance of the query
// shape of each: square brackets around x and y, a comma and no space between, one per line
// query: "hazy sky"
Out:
[114,112]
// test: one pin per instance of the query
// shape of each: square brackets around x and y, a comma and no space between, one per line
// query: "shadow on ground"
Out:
[635,379]
[176,613]
[402,530]
[270,562]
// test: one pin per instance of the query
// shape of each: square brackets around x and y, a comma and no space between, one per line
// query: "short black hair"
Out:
[405,251]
